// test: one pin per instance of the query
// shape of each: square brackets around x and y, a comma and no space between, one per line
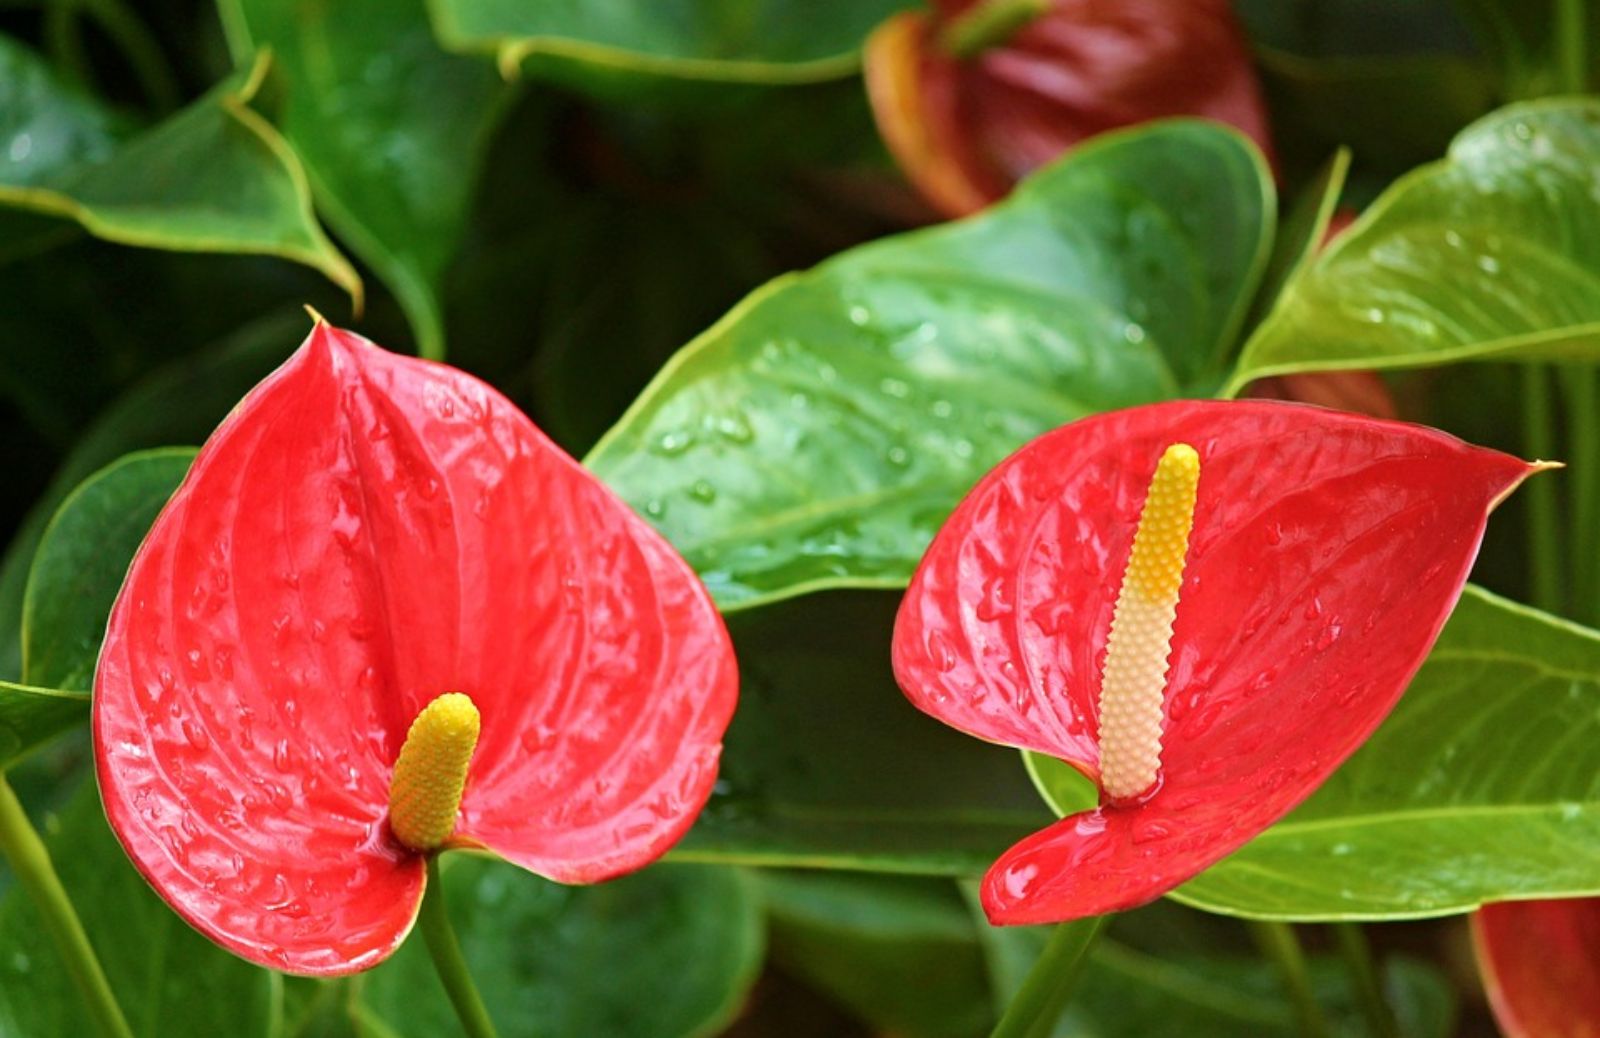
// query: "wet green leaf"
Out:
[827,764]
[389,127]
[214,177]
[746,41]
[670,951]
[1483,785]
[30,716]
[82,558]
[820,433]
[1491,253]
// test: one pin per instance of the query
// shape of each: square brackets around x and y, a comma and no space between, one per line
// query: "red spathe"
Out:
[1327,551]
[1541,966]
[365,532]
[965,130]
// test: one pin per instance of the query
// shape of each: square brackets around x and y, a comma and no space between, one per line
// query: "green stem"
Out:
[1278,942]
[1037,1005]
[64,42]
[20,844]
[139,46]
[990,24]
[1572,45]
[1538,438]
[447,958]
[1357,955]
[1582,398]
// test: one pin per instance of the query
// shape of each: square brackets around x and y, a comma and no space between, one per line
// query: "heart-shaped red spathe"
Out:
[965,130]
[365,532]
[1326,553]
[1540,962]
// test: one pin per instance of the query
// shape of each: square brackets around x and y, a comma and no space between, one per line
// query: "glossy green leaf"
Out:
[827,764]
[1483,785]
[215,177]
[1491,253]
[390,129]
[820,433]
[670,951]
[85,552]
[747,41]
[899,952]
[178,404]
[170,981]
[29,716]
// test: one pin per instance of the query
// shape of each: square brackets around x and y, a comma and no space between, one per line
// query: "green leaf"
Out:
[180,403]
[389,127]
[1483,785]
[84,554]
[820,433]
[215,177]
[170,981]
[665,952]
[900,953]
[46,125]
[1491,253]
[29,716]
[827,764]
[744,41]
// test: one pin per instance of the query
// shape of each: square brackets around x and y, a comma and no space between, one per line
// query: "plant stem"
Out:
[139,46]
[447,958]
[1364,980]
[1543,533]
[1583,425]
[990,24]
[1278,942]
[1034,1009]
[20,844]
[64,42]
[1572,45]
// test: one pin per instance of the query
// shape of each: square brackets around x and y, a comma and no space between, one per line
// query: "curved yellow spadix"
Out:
[1133,684]
[425,791]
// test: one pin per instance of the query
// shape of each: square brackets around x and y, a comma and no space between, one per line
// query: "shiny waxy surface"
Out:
[1326,552]
[965,131]
[365,532]
[1540,962]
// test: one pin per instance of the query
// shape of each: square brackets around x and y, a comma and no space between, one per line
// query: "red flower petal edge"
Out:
[1326,553]
[1541,966]
[965,131]
[365,532]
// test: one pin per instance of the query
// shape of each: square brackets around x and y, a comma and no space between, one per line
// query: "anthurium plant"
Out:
[761,517]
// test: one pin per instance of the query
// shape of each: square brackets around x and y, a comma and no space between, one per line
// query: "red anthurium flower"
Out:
[975,95]
[1363,392]
[1277,573]
[1541,966]
[370,546]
